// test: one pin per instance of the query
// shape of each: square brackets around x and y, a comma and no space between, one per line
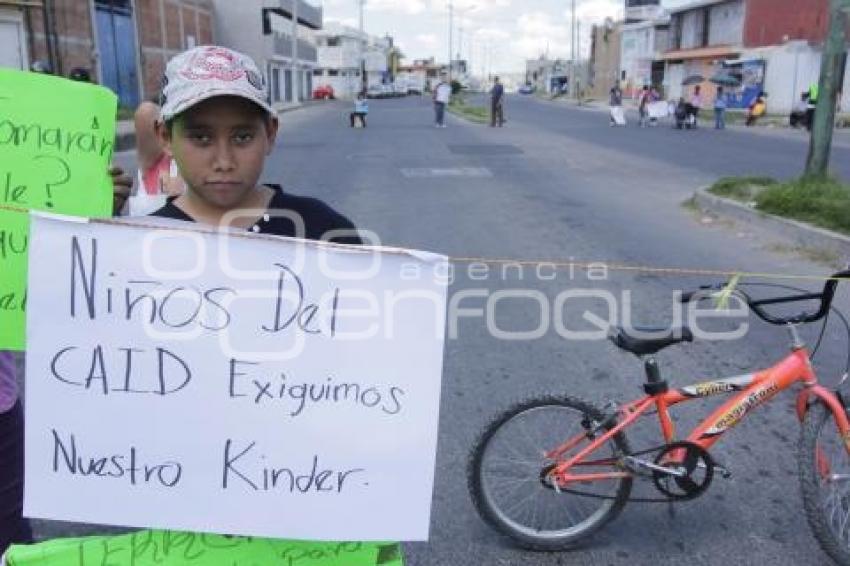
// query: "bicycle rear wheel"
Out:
[825,482]
[507,469]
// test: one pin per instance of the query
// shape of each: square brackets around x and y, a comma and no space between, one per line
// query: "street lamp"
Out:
[461,12]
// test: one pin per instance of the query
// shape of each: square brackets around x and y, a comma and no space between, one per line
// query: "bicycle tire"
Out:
[535,537]
[816,488]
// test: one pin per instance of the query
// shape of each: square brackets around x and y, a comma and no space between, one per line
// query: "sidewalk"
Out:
[125,130]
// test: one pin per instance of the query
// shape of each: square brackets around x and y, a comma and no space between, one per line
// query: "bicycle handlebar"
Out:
[825,297]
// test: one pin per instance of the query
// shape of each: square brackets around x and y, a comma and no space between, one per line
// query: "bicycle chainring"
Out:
[694,463]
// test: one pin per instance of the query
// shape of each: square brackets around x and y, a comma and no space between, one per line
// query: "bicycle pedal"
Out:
[724,472]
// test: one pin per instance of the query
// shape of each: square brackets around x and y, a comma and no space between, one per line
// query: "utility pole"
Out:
[296,74]
[451,29]
[573,47]
[834,50]
[361,61]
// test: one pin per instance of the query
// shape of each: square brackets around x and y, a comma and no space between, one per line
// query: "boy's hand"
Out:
[121,186]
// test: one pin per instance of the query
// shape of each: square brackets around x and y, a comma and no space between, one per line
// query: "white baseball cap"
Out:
[207,71]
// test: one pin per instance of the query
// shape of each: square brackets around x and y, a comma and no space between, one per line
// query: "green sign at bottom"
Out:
[168,548]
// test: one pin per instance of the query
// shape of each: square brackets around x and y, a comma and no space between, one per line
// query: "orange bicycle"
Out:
[548,493]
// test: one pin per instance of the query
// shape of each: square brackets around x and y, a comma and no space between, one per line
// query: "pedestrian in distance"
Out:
[653,108]
[720,110]
[643,106]
[799,113]
[695,105]
[812,105]
[757,109]
[442,96]
[615,101]
[361,109]
[497,104]
[683,114]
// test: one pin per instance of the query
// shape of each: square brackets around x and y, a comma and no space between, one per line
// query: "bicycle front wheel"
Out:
[825,482]
[508,468]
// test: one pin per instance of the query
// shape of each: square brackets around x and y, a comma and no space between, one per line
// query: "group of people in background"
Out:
[686,112]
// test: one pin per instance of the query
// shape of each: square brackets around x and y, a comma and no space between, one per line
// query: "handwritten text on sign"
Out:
[245,385]
[56,143]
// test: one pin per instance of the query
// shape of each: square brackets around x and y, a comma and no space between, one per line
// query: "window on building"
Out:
[318,72]
[288,85]
[333,73]
[333,42]
[275,84]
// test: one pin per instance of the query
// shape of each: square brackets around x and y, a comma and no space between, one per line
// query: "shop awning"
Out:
[716,52]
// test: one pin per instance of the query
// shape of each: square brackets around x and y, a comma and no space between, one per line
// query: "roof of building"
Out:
[696,4]
[663,21]
[333,28]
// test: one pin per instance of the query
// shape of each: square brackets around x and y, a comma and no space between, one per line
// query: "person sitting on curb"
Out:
[361,109]
[757,109]
[799,113]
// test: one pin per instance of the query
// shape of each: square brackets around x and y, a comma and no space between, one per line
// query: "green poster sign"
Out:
[168,548]
[56,142]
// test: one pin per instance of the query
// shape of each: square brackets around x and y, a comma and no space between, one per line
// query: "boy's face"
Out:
[220,146]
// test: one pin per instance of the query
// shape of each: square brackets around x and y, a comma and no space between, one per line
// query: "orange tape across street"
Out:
[566,264]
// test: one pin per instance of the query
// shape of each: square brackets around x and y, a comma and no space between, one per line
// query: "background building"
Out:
[773,46]
[422,74]
[604,58]
[641,50]
[339,49]
[124,44]
[641,10]
[280,36]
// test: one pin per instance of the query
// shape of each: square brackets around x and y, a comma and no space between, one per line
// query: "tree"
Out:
[834,51]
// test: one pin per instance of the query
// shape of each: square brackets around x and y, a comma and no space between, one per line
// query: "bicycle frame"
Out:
[753,390]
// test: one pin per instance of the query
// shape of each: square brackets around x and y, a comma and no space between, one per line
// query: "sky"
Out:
[494,35]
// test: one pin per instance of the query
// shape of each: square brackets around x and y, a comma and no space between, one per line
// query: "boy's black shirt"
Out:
[318,218]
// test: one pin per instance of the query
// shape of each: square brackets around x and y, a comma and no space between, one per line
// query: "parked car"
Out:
[375,91]
[526,89]
[399,89]
[324,93]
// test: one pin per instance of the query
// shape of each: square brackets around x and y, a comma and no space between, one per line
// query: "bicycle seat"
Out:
[645,341]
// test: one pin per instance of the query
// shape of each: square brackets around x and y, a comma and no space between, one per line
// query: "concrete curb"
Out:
[803,235]
[125,136]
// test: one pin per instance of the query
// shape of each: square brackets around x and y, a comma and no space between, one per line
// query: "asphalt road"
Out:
[558,184]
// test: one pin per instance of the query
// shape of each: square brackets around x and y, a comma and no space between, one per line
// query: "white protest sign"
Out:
[241,384]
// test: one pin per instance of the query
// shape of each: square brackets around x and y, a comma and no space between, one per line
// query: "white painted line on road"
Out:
[479,172]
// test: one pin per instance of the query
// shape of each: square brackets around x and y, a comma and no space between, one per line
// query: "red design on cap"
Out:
[213,63]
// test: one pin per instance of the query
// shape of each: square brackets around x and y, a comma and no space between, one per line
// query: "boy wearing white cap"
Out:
[219,127]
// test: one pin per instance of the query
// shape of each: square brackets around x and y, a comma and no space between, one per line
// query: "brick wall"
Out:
[75,43]
[163,28]
[768,22]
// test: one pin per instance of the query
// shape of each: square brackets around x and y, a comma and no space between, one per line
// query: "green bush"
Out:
[741,188]
[824,202]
